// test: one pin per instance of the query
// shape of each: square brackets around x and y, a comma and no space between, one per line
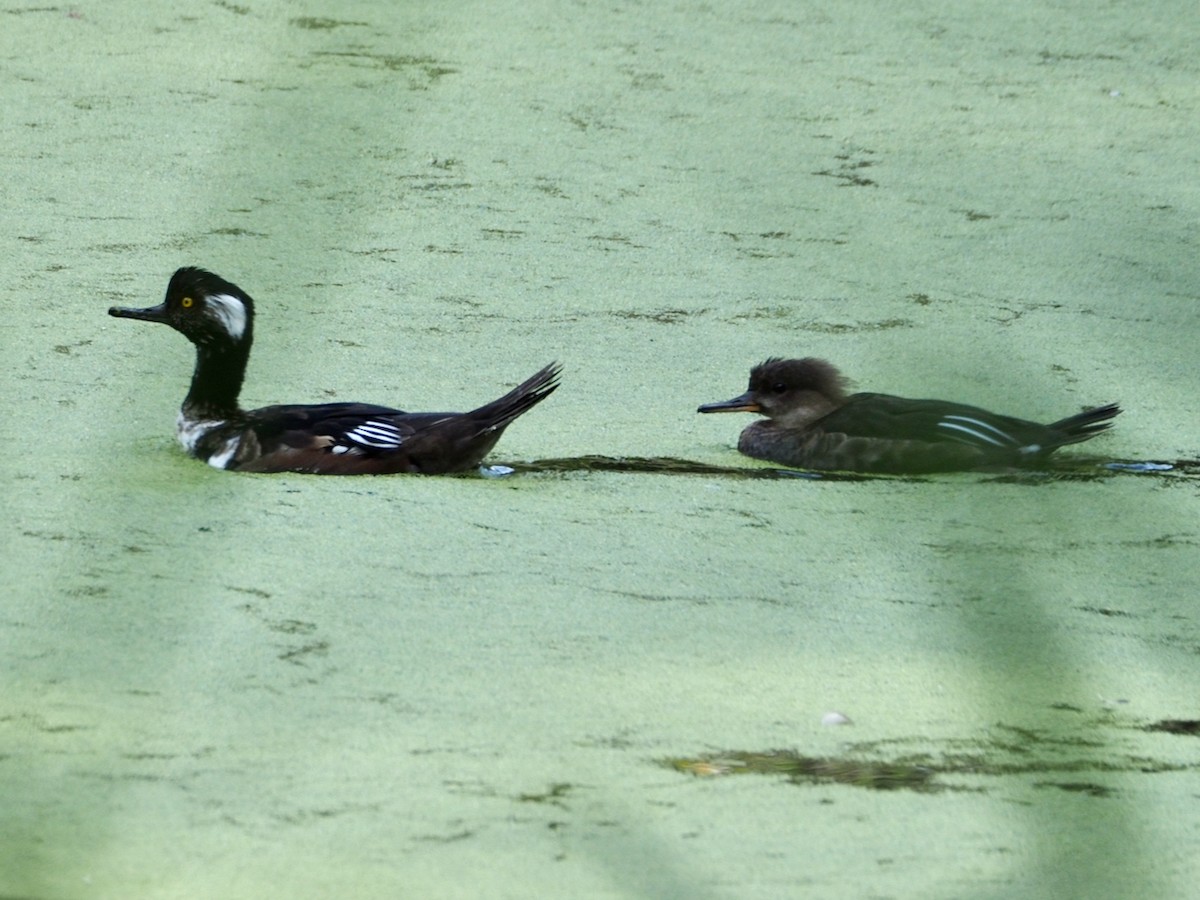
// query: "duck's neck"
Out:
[217,380]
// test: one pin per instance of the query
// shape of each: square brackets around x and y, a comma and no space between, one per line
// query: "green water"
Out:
[251,686]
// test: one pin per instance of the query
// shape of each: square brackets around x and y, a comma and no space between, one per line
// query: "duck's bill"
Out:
[744,403]
[149,314]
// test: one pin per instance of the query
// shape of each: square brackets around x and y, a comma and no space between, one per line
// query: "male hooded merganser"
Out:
[322,439]
[813,424]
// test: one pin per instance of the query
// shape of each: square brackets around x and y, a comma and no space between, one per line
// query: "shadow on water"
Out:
[1073,470]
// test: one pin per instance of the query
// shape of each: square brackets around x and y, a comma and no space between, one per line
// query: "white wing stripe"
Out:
[977,429]
[1008,438]
[978,424]
[381,435]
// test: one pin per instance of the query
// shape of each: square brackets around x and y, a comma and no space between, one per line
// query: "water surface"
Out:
[596,682]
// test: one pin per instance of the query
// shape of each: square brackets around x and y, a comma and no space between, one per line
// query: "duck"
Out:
[812,422]
[217,316]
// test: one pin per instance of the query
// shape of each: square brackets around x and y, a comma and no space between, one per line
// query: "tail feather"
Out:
[457,442]
[499,414]
[1085,425]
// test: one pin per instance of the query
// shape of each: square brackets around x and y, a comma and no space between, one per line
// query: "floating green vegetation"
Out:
[662,316]
[883,776]
[1009,751]
[1176,726]
[849,169]
[554,795]
[422,71]
[314,23]
[233,231]
[1077,787]
[822,327]
[818,326]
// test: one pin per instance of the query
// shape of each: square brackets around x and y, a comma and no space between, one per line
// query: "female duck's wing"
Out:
[931,421]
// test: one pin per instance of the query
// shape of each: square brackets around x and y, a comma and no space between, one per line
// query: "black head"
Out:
[204,307]
[794,390]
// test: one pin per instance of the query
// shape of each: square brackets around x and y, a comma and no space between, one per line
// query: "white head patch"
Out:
[230,312]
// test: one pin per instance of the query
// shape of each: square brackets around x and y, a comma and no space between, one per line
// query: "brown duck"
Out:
[812,423]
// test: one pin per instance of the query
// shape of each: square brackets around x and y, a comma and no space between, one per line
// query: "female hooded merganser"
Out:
[813,424]
[322,439]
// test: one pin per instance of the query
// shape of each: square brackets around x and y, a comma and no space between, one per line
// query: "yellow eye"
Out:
[187,302]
